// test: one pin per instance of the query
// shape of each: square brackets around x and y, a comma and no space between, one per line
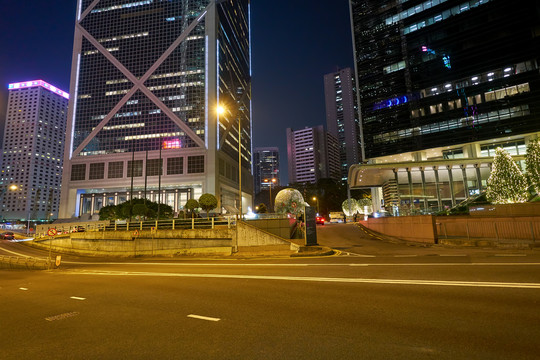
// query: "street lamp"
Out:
[220,111]
[270,182]
[317,200]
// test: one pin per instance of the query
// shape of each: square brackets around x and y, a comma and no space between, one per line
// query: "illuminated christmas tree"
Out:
[506,184]
[532,159]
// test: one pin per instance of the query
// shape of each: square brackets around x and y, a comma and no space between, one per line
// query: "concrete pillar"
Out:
[409,180]
[478,176]
[424,195]
[465,182]
[397,187]
[175,200]
[92,204]
[438,186]
[451,183]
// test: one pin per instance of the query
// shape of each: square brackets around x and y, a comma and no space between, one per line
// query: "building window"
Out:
[135,168]
[97,171]
[453,154]
[513,148]
[195,164]
[116,170]
[154,167]
[175,166]
[78,172]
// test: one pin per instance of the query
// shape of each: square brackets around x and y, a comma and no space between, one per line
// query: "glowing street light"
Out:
[270,182]
[317,200]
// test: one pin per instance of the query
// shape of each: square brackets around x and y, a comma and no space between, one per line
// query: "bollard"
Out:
[173,224]
[192,223]
[212,223]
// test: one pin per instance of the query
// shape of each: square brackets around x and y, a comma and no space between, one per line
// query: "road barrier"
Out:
[25,263]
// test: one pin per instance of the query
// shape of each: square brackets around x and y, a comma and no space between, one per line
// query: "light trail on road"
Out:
[314,279]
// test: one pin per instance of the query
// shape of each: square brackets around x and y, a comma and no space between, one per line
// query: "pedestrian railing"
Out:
[171,224]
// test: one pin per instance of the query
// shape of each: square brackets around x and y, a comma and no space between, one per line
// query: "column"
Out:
[397,187]
[92,202]
[451,183]
[423,177]
[478,176]
[437,187]
[465,182]
[409,180]
[175,200]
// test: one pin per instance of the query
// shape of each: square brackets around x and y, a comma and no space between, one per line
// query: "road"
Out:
[376,300]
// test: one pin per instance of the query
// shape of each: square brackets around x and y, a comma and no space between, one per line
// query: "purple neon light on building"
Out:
[43,84]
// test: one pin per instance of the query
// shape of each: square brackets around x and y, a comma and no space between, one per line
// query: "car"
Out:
[8,235]
[320,220]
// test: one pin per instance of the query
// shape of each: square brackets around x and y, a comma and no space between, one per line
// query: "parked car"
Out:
[320,220]
[8,235]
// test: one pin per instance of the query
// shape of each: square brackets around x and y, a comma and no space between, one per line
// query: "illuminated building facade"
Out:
[147,77]
[312,154]
[265,168]
[342,117]
[441,84]
[33,151]
[445,72]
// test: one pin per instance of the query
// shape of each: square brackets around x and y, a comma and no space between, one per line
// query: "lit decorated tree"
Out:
[506,184]
[353,207]
[365,206]
[289,201]
[532,159]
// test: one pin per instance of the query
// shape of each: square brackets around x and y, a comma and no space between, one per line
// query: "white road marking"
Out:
[203,317]
[510,255]
[318,279]
[15,253]
[62,316]
[24,289]
[77,298]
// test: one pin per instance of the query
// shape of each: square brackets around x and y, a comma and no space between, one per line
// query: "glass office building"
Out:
[147,77]
[265,168]
[442,83]
[445,72]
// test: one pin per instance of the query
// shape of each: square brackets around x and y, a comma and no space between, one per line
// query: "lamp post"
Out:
[317,200]
[221,110]
[270,183]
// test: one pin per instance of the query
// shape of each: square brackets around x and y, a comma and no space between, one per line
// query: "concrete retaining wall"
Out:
[506,210]
[146,243]
[23,263]
[251,236]
[278,227]
[411,228]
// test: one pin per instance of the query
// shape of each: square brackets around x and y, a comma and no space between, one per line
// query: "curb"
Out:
[308,251]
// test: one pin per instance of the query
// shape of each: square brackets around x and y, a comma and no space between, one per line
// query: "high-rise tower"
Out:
[147,78]
[33,151]
[342,117]
[266,168]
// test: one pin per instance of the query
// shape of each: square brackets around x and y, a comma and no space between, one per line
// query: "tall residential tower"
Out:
[33,151]
[313,154]
[342,117]
[147,78]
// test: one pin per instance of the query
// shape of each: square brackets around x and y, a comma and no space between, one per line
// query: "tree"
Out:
[352,205]
[506,184]
[532,160]
[139,210]
[262,208]
[108,213]
[191,205]
[207,202]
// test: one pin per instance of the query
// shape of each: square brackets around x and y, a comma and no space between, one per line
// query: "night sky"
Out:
[294,43]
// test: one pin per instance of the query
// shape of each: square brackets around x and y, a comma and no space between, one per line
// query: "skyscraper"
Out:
[445,72]
[147,78]
[342,117]
[313,154]
[266,167]
[442,83]
[33,151]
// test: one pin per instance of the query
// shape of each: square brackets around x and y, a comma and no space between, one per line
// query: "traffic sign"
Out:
[52,232]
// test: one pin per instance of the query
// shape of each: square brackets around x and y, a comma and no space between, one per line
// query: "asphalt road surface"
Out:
[377,300]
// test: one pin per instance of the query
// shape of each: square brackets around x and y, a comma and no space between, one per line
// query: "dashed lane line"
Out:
[203,317]
[77,298]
